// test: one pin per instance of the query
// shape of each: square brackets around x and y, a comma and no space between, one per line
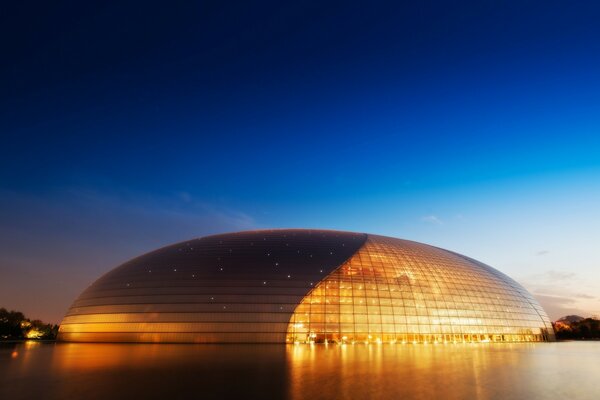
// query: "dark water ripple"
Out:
[153,371]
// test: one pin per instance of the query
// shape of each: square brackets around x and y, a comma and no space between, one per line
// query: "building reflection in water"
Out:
[451,371]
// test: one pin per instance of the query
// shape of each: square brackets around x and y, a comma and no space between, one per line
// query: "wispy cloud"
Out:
[185,197]
[542,252]
[584,296]
[432,219]
[78,234]
[560,293]
[559,306]
[551,277]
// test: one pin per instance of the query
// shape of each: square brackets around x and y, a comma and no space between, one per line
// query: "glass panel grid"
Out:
[399,291]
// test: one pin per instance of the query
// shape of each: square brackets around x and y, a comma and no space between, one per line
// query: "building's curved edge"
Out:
[147,337]
[549,336]
[137,337]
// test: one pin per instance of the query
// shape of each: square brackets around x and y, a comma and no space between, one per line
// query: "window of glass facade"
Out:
[398,291]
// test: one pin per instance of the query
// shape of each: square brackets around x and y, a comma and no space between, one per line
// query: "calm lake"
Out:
[566,370]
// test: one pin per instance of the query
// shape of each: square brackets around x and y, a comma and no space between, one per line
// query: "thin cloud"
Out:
[584,296]
[551,277]
[542,252]
[558,275]
[77,235]
[432,219]
[559,306]
[560,293]
[185,197]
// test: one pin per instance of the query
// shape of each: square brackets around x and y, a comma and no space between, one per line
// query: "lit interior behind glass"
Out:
[398,291]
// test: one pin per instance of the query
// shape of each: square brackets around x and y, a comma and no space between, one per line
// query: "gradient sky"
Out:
[473,126]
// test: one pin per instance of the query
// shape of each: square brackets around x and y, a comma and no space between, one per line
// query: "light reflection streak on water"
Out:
[452,371]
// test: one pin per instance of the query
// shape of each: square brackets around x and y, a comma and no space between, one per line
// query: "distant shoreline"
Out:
[27,340]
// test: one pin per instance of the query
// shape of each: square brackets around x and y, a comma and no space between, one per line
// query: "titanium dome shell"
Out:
[298,285]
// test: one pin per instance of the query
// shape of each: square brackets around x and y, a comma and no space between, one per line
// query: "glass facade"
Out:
[393,290]
[239,287]
[303,286]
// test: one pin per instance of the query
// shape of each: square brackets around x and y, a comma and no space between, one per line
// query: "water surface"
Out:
[453,371]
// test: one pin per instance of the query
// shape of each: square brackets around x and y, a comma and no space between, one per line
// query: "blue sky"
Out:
[468,125]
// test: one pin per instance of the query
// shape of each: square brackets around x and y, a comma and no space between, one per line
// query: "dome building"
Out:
[304,286]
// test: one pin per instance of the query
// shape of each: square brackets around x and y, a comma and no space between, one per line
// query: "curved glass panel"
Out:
[394,290]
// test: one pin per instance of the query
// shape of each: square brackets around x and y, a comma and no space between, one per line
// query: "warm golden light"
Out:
[34,334]
[414,293]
